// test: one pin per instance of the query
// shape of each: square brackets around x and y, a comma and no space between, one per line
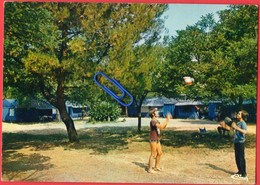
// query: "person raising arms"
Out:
[156,150]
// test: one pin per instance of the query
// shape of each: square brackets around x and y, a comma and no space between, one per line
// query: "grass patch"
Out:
[105,139]
[211,140]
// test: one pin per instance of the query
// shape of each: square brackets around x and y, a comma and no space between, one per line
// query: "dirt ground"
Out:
[118,153]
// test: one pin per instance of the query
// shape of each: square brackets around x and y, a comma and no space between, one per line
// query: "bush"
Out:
[104,111]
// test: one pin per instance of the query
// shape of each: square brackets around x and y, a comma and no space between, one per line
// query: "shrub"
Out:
[104,111]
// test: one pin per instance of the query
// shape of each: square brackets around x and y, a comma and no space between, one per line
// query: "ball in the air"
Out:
[188,80]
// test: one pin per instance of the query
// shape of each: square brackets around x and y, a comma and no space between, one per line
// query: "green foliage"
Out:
[225,53]
[22,28]
[104,111]
[135,63]
[56,48]
[70,42]
[41,63]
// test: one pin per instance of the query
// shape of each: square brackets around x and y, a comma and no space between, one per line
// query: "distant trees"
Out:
[220,56]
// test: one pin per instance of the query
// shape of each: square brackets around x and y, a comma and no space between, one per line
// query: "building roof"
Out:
[40,104]
[157,101]
[37,104]
[161,101]
[74,105]
[188,102]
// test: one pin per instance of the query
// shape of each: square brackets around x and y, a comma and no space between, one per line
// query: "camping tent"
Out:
[156,102]
[178,108]
[39,110]
[184,109]
[76,110]
[8,111]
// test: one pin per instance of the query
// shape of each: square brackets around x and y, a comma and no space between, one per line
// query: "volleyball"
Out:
[188,80]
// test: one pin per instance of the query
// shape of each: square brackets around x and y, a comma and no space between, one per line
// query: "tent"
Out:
[39,110]
[178,108]
[212,111]
[76,110]
[156,102]
[169,108]
[8,111]
[185,109]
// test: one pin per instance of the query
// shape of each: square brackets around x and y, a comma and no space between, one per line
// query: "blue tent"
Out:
[38,111]
[212,112]
[178,108]
[76,110]
[168,108]
[156,102]
[187,109]
[8,113]
[186,112]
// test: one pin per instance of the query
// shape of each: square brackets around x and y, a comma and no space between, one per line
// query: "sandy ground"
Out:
[126,164]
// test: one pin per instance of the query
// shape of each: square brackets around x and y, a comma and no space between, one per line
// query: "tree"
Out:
[136,63]
[235,55]
[183,53]
[226,57]
[65,44]
[142,74]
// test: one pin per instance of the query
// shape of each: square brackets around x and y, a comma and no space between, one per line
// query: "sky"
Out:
[182,15]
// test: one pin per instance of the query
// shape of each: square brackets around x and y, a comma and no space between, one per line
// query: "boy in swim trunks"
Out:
[156,149]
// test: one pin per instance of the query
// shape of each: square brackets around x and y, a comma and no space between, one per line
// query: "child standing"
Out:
[240,129]
[156,150]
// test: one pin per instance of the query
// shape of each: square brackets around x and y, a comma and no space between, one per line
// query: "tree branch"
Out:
[47,94]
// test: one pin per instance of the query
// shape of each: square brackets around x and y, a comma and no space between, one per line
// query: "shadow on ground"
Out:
[100,141]
[210,139]
[219,169]
[14,165]
[142,165]
[105,139]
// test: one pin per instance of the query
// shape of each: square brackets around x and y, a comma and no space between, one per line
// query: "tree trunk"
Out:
[72,133]
[59,103]
[126,112]
[139,122]
[139,110]
[58,114]
[139,117]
